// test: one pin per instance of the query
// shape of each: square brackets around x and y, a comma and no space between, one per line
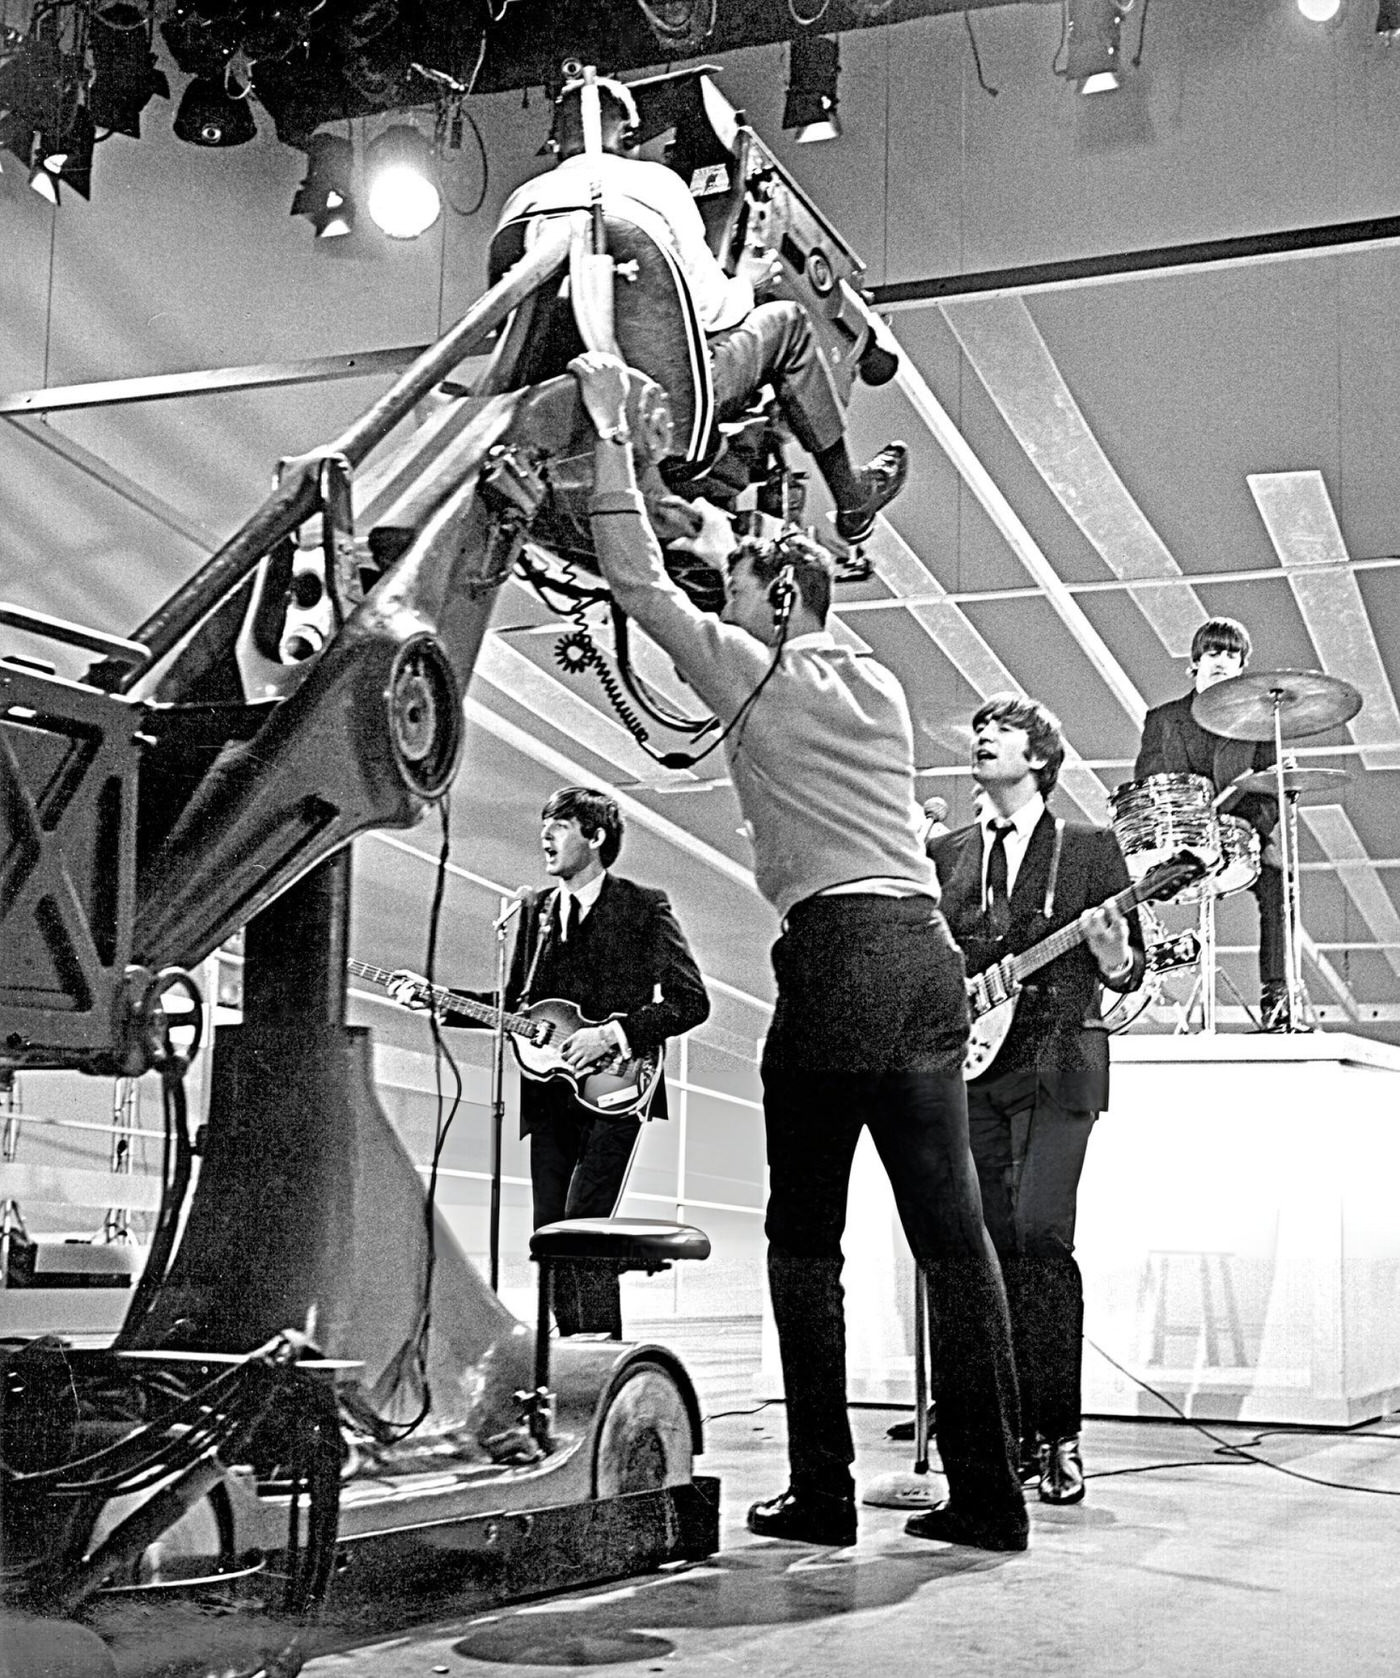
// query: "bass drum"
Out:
[1156,818]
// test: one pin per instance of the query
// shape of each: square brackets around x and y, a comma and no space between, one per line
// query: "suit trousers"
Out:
[1268,894]
[1030,1153]
[578,1164]
[869,1031]
[774,345]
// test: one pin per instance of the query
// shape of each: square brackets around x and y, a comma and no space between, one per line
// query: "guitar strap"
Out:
[544,934]
[1054,875]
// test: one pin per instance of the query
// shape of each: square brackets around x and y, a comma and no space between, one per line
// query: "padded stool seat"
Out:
[629,1243]
[649,1244]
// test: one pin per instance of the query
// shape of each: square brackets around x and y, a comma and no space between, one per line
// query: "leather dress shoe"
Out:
[1062,1477]
[904,1431]
[881,479]
[806,1517]
[951,1526]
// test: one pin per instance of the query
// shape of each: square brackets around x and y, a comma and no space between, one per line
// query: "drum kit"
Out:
[1161,815]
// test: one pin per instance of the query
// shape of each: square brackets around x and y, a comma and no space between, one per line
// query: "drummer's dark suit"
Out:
[627,956]
[1031,1112]
[1174,743]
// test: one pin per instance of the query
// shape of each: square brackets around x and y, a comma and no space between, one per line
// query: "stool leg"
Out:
[542,1326]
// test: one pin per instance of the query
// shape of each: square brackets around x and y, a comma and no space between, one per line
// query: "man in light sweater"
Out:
[871,1020]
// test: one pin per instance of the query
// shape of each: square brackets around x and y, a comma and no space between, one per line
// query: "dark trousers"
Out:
[578,1163]
[869,1030]
[774,345]
[1030,1154]
[1268,895]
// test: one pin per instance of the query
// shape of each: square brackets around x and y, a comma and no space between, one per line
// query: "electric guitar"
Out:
[616,1087]
[993,993]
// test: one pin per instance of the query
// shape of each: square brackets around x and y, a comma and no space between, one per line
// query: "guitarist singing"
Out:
[612,947]
[1008,880]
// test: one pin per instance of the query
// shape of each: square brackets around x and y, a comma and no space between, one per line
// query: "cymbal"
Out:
[1308,701]
[1295,779]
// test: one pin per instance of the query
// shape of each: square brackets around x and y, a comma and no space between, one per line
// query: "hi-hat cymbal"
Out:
[1307,701]
[1295,779]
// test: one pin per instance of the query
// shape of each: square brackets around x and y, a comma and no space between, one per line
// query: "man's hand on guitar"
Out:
[587,1047]
[409,990]
[1105,931]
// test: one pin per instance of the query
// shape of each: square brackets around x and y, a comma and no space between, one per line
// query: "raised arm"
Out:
[721,662]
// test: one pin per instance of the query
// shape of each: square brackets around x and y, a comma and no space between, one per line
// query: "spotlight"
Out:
[1388,18]
[64,153]
[44,119]
[209,115]
[1092,43]
[125,76]
[814,66]
[324,197]
[402,193]
[1319,11]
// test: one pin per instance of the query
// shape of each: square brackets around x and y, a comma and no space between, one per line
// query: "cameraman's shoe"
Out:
[882,479]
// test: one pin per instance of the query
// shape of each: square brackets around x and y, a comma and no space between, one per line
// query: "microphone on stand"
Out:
[511,905]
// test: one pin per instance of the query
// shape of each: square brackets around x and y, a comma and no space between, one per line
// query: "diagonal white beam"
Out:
[1080,782]
[1302,525]
[1325,969]
[502,666]
[1005,349]
[951,631]
[1004,517]
[571,772]
[1330,825]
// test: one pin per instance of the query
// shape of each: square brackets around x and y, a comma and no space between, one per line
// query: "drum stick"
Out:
[1230,788]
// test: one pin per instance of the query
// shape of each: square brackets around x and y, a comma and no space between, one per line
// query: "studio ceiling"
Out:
[1100,460]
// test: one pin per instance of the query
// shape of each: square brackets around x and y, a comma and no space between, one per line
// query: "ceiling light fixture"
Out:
[814,67]
[1093,43]
[125,75]
[64,153]
[401,190]
[209,115]
[1320,11]
[324,196]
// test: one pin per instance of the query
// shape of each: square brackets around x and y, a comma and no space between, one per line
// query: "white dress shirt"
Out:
[1018,837]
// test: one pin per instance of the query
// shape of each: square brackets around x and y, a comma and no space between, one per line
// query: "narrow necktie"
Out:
[998,899]
[564,907]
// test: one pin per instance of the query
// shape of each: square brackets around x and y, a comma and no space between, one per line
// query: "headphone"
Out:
[782,595]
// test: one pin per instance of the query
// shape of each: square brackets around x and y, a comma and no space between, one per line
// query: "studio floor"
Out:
[1184,1560]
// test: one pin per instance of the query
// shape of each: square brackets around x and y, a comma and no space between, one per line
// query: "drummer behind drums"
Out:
[1173,742]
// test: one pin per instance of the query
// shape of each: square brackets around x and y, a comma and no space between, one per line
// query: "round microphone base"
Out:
[904,1489]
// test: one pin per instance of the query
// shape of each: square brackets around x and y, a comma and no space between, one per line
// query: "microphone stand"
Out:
[509,908]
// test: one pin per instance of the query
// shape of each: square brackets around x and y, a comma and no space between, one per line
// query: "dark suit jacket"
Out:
[1056,1028]
[1174,743]
[628,948]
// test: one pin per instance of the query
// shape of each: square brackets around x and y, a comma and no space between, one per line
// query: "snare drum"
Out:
[1159,816]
